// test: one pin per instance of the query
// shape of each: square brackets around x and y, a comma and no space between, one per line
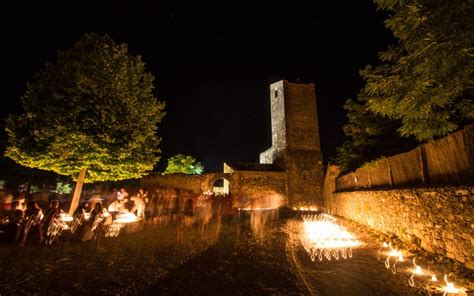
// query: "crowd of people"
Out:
[24,220]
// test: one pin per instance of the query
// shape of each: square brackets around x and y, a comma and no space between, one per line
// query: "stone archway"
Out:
[220,184]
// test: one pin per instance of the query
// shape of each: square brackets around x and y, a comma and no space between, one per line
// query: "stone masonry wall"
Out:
[192,183]
[264,189]
[245,184]
[440,220]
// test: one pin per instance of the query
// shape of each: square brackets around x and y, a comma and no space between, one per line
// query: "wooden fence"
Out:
[446,160]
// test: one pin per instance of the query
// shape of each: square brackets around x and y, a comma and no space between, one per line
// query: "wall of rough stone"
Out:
[295,142]
[304,178]
[245,184]
[192,183]
[301,118]
[277,105]
[267,189]
[329,187]
[440,220]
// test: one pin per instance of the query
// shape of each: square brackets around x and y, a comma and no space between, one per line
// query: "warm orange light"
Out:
[125,218]
[322,237]
[450,288]
[66,217]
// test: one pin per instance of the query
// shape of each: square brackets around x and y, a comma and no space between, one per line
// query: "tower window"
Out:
[275,92]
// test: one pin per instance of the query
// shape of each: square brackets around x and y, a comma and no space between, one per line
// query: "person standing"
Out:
[139,206]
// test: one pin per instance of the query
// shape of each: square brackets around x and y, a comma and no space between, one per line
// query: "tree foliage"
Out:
[94,109]
[183,164]
[368,136]
[426,80]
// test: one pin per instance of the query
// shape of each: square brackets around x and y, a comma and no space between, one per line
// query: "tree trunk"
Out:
[77,191]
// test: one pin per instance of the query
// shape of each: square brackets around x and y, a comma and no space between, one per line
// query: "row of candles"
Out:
[323,237]
[416,271]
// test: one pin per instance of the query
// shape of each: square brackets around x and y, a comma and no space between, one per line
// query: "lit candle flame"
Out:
[66,217]
[393,253]
[418,270]
[450,288]
[126,218]
[324,238]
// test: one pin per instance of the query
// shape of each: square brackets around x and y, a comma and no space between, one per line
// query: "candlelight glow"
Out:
[126,218]
[113,230]
[306,208]
[384,246]
[255,209]
[393,253]
[416,271]
[450,288]
[324,238]
[65,217]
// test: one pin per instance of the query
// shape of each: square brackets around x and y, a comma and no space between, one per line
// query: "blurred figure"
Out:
[31,224]
[7,201]
[115,206]
[97,220]
[83,208]
[52,226]
[50,212]
[139,206]
[150,213]
[15,218]
[22,200]
[143,195]
[122,194]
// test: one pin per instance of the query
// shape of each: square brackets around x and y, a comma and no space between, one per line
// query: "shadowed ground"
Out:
[251,256]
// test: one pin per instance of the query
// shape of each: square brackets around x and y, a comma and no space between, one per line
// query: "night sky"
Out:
[213,62]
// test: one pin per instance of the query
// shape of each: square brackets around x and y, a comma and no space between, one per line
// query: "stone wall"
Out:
[304,177]
[301,118]
[440,220]
[329,187]
[192,183]
[295,142]
[243,184]
[267,189]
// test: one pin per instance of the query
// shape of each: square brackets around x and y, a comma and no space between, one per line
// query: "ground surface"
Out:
[253,256]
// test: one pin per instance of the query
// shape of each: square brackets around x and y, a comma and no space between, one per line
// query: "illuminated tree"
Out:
[90,115]
[426,80]
[183,164]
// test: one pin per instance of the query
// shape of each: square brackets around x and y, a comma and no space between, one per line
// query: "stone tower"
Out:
[295,141]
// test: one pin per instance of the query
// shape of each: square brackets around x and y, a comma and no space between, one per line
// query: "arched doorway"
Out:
[220,186]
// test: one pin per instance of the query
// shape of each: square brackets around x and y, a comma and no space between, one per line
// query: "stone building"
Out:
[295,141]
[290,170]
